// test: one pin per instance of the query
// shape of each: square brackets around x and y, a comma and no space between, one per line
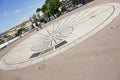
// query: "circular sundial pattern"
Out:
[52,38]
[60,36]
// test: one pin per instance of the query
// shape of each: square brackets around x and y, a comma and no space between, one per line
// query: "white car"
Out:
[79,5]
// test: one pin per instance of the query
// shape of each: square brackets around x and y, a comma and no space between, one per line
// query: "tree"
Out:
[53,6]
[45,10]
[50,7]
[5,36]
[63,9]
[32,26]
[20,31]
[38,9]
[1,40]
[41,19]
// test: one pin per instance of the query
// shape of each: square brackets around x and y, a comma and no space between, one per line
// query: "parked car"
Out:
[79,5]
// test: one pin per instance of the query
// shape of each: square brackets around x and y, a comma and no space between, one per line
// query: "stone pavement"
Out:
[94,59]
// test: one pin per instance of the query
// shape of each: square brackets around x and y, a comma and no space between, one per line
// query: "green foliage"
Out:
[35,20]
[1,40]
[38,10]
[53,6]
[63,9]
[5,36]
[41,19]
[44,8]
[19,31]
[33,26]
[50,7]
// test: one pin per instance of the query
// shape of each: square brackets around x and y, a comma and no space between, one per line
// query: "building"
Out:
[12,31]
[68,4]
[77,2]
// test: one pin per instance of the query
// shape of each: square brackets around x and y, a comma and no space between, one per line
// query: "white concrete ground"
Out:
[60,36]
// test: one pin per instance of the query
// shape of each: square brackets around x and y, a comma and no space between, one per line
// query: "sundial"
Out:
[60,36]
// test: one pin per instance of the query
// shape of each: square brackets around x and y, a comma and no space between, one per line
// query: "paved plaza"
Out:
[87,42]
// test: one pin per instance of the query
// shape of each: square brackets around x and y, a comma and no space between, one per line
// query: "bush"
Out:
[1,40]
[20,31]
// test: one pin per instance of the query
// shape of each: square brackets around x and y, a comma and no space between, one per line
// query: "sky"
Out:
[13,12]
